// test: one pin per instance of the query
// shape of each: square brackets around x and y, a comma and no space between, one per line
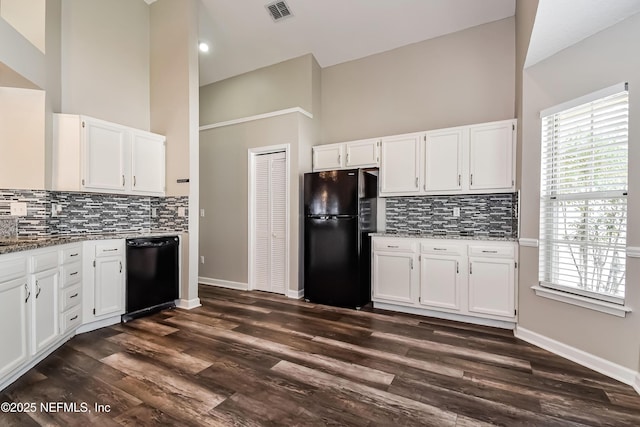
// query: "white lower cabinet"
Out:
[35,307]
[472,282]
[104,284]
[15,297]
[395,271]
[440,277]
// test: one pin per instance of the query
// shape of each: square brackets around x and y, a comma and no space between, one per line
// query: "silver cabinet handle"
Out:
[347,159]
[470,268]
[73,318]
[489,252]
[471,179]
[123,180]
[39,289]
[393,246]
[339,158]
[439,249]
[74,295]
[73,274]
[72,255]
[110,250]
[411,263]
[457,267]
[459,180]
[134,180]
[417,182]
[26,287]
[120,266]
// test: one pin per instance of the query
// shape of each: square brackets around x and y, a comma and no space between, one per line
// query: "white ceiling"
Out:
[562,23]
[242,35]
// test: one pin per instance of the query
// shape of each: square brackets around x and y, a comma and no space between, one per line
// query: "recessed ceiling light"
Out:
[203,47]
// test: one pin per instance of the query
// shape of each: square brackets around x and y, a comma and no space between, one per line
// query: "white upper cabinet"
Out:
[328,157]
[491,156]
[104,145]
[97,156]
[400,165]
[147,163]
[443,160]
[347,155]
[361,154]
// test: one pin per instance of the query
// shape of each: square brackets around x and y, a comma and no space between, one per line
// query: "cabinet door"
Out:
[104,147]
[15,297]
[394,275]
[492,286]
[147,163]
[440,281]
[400,165]
[45,309]
[363,154]
[443,161]
[328,157]
[109,286]
[491,156]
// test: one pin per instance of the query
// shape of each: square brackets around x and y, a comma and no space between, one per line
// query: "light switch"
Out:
[182,212]
[202,213]
[18,208]
[456,212]
[154,212]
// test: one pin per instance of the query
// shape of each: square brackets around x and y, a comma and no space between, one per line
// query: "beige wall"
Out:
[277,87]
[224,194]
[174,113]
[525,18]
[461,78]
[22,127]
[28,17]
[597,62]
[105,60]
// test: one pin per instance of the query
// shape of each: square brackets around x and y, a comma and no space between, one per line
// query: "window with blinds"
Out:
[583,195]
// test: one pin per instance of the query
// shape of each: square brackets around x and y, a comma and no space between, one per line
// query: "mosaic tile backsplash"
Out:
[92,213]
[480,214]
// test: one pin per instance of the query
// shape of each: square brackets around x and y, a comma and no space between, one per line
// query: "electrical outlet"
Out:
[154,212]
[202,213]
[18,208]
[182,212]
[456,212]
[201,259]
[56,209]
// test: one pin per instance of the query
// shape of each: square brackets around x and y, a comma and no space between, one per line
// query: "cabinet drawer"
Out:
[44,261]
[12,268]
[70,297]
[492,251]
[109,249]
[394,245]
[72,254]
[70,319]
[442,249]
[71,273]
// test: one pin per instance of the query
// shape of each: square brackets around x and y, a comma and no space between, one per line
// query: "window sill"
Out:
[590,303]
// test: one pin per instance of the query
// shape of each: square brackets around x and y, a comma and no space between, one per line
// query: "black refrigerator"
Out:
[339,213]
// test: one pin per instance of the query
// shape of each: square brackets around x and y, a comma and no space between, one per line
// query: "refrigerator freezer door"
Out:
[332,261]
[331,193]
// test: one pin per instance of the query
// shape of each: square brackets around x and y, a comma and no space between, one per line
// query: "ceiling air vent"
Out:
[279,10]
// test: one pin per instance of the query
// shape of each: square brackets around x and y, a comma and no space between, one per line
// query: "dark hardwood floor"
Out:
[253,359]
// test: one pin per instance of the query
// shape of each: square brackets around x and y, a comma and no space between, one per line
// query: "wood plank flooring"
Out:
[256,359]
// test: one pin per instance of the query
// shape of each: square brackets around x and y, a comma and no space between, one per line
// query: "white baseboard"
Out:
[443,315]
[598,364]
[188,304]
[299,294]
[99,324]
[223,283]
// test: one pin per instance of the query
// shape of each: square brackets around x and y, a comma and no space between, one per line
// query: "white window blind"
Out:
[583,195]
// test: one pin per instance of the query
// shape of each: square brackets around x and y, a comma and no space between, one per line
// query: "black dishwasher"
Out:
[152,275]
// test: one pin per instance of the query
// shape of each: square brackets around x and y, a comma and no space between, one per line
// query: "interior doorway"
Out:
[269,219]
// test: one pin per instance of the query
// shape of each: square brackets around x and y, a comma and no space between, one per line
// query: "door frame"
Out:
[251,156]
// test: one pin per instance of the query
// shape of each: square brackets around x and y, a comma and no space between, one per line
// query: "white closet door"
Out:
[270,223]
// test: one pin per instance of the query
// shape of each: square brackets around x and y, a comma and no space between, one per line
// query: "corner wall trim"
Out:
[257,117]
[299,294]
[633,251]
[530,243]
[188,304]
[598,364]
[223,283]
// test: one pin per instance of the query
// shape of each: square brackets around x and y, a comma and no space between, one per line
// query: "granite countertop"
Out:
[29,243]
[448,236]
